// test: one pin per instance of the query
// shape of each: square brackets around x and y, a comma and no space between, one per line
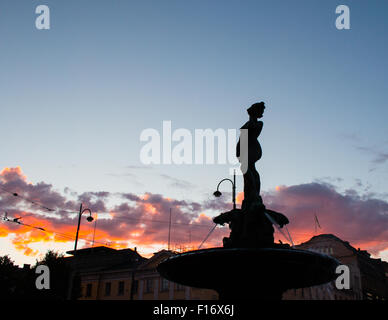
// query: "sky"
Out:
[76,98]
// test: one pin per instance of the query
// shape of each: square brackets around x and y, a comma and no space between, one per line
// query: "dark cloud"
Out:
[350,216]
[144,219]
[138,219]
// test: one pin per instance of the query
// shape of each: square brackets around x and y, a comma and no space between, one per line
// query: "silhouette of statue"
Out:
[251,226]
[253,154]
[249,254]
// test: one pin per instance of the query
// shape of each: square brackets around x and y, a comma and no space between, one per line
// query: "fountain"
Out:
[250,265]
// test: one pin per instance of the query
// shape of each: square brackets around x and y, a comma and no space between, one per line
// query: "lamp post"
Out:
[89,219]
[217,193]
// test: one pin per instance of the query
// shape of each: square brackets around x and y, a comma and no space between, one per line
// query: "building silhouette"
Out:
[368,276]
[109,274]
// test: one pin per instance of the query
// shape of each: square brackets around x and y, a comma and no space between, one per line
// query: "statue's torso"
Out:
[254,148]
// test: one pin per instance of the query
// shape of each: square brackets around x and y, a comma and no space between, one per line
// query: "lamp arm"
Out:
[223,181]
[90,212]
[234,190]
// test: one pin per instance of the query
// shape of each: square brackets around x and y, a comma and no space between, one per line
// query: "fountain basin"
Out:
[249,273]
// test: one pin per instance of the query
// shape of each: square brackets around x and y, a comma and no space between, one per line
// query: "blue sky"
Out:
[75,98]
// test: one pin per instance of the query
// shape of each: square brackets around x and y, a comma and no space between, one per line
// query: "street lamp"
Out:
[89,219]
[218,194]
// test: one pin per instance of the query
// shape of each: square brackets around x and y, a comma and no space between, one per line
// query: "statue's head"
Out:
[256,110]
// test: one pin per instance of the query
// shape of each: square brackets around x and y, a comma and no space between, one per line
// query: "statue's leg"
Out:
[257,181]
[247,186]
[251,185]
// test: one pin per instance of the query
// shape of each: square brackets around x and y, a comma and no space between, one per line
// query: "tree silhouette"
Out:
[7,277]
[59,276]
[19,283]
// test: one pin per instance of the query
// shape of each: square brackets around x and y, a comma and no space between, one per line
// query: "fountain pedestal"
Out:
[249,273]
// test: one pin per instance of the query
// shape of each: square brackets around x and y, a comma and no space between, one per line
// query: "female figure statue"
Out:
[253,153]
[251,226]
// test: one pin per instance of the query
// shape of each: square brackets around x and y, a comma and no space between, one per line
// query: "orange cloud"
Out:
[143,220]
[240,197]
[8,174]
[150,208]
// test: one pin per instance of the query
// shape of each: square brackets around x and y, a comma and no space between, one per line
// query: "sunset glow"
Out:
[131,226]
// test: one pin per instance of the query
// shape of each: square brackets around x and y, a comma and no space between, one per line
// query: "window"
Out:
[149,285]
[356,282]
[121,288]
[164,284]
[179,287]
[108,287]
[88,290]
[135,286]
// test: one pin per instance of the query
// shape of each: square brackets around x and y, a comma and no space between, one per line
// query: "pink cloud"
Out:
[143,219]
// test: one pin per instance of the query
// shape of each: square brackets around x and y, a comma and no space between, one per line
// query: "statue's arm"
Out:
[226,217]
[259,127]
[222,218]
[280,218]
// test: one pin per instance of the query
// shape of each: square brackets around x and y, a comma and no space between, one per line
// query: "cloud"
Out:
[122,175]
[139,167]
[350,216]
[129,177]
[128,219]
[379,156]
[133,219]
[350,136]
[378,152]
[329,180]
[177,183]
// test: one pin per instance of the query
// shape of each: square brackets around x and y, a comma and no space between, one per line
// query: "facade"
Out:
[130,279]
[109,274]
[103,272]
[151,286]
[368,278]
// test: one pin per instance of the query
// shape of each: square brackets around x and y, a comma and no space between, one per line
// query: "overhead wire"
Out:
[37,203]
[208,235]
[120,218]
[64,235]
